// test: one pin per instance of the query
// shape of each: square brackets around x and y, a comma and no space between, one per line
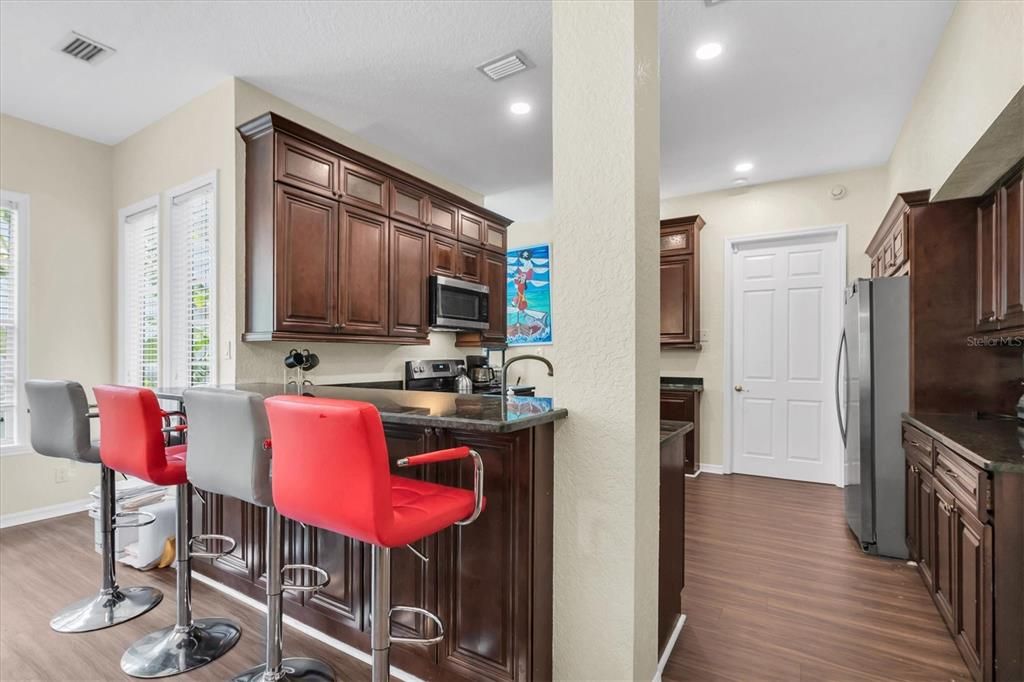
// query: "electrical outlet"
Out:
[60,475]
[704,335]
[227,350]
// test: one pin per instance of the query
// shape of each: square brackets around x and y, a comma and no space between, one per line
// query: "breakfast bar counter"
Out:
[490,581]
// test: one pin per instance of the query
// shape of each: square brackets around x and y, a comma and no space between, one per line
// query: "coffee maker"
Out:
[479,370]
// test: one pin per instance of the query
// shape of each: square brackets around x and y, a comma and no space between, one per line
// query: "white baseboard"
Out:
[43,513]
[669,646]
[344,648]
[716,469]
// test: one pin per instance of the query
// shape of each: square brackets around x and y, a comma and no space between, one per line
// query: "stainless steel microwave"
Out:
[456,304]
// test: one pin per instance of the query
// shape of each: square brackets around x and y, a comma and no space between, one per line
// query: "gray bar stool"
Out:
[228,435]
[60,428]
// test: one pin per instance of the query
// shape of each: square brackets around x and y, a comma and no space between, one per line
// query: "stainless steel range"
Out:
[439,375]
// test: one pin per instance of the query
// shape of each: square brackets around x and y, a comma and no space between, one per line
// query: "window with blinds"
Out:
[192,287]
[168,280]
[140,287]
[10,381]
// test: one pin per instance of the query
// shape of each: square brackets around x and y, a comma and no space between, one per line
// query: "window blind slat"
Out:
[192,285]
[8,321]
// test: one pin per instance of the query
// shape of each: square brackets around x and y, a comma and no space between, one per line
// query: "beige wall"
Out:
[192,141]
[977,69]
[71,274]
[763,209]
[338,361]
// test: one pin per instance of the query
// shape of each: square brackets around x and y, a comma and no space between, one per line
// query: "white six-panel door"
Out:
[786,315]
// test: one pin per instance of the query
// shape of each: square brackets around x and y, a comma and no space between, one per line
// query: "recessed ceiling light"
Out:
[520,108]
[744,167]
[709,51]
[739,181]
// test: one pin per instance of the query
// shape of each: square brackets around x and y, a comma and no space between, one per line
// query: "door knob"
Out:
[737,388]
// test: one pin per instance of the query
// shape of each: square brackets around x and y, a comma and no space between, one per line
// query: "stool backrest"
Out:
[132,439]
[330,466]
[226,434]
[60,420]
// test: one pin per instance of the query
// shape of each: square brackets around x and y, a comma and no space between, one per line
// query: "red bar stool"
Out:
[132,443]
[330,470]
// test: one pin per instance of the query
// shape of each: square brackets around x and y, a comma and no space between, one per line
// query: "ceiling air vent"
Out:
[505,66]
[85,49]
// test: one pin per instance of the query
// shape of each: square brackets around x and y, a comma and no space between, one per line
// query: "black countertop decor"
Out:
[992,444]
[485,413]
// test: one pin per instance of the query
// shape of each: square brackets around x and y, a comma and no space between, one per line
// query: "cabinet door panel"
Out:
[444,256]
[408,272]
[306,166]
[306,261]
[1011,261]
[974,585]
[363,187]
[470,263]
[911,488]
[944,566]
[987,275]
[682,406]
[408,203]
[342,557]
[482,604]
[471,228]
[926,528]
[413,582]
[677,241]
[364,273]
[496,269]
[677,300]
[496,237]
[238,520]
[442,217]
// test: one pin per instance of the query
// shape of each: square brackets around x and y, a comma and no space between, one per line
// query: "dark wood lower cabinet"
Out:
[490,581]
[684,406]
[970,550]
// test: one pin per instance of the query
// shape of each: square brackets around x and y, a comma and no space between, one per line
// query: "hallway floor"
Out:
[777,589]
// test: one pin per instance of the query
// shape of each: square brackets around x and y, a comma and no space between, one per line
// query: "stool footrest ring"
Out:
[418,640]
[144,519]
[325,578]
[232,543]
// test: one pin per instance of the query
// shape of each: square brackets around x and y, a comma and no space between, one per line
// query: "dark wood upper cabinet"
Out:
[363,294]
[471,228]
[988,277]
[495,336]
[442,217]
[306,262]
[680,282]
[1010,253]
[470,263]
[306,166]
[410,267]
[496,237]
[444,256]
[364,188]
[888,249]
[320,262]
[409,203]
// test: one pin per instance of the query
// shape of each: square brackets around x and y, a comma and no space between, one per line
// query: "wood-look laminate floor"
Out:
[46,565]
[777,589]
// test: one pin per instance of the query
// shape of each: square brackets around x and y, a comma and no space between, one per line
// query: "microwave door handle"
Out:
[839,406]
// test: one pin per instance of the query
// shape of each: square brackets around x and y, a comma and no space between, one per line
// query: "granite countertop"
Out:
[992,444]
[682,383]
[672,429]
[486,413]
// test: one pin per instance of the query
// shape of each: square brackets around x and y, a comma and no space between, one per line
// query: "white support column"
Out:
[606,311]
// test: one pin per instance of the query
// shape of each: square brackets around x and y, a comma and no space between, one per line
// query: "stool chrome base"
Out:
[106,609]
[175,650]
[292,669]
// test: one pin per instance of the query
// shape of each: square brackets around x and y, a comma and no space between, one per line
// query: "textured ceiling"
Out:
[801,88]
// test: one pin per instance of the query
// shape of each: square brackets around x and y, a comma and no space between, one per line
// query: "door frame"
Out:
[730,248]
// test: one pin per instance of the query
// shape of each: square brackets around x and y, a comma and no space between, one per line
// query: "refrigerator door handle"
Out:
[839,406]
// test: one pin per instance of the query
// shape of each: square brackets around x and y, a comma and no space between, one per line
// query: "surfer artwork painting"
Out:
[529,295]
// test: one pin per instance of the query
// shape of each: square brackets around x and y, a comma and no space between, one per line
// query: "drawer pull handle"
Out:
[952,474]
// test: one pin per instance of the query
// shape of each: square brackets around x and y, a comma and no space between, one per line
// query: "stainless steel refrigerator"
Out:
[872,389]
